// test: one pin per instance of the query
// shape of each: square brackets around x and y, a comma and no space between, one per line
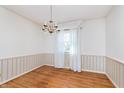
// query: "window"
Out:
[67,41]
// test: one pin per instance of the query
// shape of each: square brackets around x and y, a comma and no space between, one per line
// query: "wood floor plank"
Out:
[50,77]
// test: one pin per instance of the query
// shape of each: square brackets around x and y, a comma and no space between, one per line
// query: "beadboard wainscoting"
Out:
[93,63]
[48,59]
[115,72]
[13,67]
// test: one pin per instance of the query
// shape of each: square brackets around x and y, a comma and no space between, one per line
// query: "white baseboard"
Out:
[19,75]
[112,81]
[53,66]
[49,65]
[94,71]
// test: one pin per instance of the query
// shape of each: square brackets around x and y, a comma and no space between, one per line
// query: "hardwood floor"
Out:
[50,77]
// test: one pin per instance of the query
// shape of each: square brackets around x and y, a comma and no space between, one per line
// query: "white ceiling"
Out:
[61,13]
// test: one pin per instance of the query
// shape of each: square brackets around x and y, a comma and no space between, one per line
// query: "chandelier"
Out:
[50,26]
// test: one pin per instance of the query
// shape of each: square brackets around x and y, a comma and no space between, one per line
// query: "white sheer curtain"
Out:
[59,50]
[75,57]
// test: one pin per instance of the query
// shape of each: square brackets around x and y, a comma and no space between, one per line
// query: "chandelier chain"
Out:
[51,10]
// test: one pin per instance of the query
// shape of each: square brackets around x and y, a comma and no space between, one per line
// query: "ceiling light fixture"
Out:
[50,26]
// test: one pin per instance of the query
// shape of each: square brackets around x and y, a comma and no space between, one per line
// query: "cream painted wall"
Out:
[48,42]
[115,33]
[93,37]
[18,36]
